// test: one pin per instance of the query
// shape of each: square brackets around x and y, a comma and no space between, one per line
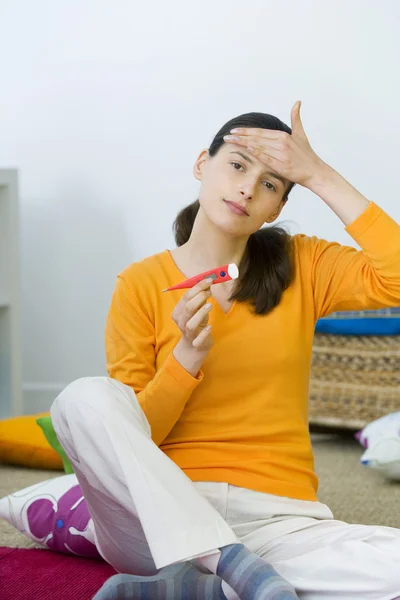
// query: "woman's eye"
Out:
[272,186]
[235,164]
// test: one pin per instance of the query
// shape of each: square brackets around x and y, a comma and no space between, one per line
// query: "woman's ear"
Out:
[199,164]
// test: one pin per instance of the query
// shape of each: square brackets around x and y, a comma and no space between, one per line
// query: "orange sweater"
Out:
[244,418]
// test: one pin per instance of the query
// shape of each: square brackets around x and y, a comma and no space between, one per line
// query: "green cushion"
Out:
[47,427]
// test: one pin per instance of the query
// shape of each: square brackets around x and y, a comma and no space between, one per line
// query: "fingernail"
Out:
[209,280]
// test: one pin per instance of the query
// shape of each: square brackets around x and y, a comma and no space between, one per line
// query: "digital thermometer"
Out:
[225,273]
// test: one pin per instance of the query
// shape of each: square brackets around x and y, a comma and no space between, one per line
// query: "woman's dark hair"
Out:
[267,268]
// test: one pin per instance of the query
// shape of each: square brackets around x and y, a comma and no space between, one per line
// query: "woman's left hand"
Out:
[290,156]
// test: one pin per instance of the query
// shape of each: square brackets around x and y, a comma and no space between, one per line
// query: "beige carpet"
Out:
[354,493]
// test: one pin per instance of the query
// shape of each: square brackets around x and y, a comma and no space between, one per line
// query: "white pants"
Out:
[148,514]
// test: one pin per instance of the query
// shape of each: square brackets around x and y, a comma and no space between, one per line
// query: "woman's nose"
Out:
[247,192]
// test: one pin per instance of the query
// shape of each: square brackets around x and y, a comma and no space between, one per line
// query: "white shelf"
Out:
[10,321]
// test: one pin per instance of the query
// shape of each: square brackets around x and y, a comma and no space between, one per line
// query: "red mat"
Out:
[34,574]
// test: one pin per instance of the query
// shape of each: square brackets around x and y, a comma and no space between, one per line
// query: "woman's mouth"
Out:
[237,208]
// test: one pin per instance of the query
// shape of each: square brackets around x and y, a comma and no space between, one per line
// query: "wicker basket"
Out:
[354,379]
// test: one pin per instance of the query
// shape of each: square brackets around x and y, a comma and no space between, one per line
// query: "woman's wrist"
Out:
[188,357]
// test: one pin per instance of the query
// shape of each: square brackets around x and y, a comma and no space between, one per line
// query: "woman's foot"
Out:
[251,577]
[175,582]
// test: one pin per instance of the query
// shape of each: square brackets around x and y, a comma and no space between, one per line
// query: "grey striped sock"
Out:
[176,582]
[251,577]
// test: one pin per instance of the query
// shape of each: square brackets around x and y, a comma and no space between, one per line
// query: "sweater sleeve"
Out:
[130,356]
[344,278]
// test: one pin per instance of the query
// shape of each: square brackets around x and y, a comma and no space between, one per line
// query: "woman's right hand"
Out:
[191,316]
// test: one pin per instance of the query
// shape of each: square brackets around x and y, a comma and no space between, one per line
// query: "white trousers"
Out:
[148,514]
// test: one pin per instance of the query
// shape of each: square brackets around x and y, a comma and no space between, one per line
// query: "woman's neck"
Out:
[208,247]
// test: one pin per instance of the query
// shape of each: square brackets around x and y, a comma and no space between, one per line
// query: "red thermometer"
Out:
[219,275]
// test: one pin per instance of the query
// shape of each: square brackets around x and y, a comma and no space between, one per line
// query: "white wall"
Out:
[105,105]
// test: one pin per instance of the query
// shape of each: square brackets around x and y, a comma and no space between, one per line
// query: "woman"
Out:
[194,456]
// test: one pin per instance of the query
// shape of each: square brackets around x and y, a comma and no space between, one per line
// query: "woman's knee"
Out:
[67,408]
[79,392]
[99,394]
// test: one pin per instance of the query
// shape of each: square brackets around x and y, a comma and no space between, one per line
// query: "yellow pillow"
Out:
[22,442]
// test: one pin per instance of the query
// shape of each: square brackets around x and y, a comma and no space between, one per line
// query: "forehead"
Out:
[239,152]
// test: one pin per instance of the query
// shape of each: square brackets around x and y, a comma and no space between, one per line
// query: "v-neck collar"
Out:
[183,277]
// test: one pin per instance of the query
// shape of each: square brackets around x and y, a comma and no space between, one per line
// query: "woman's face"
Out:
[233,175]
